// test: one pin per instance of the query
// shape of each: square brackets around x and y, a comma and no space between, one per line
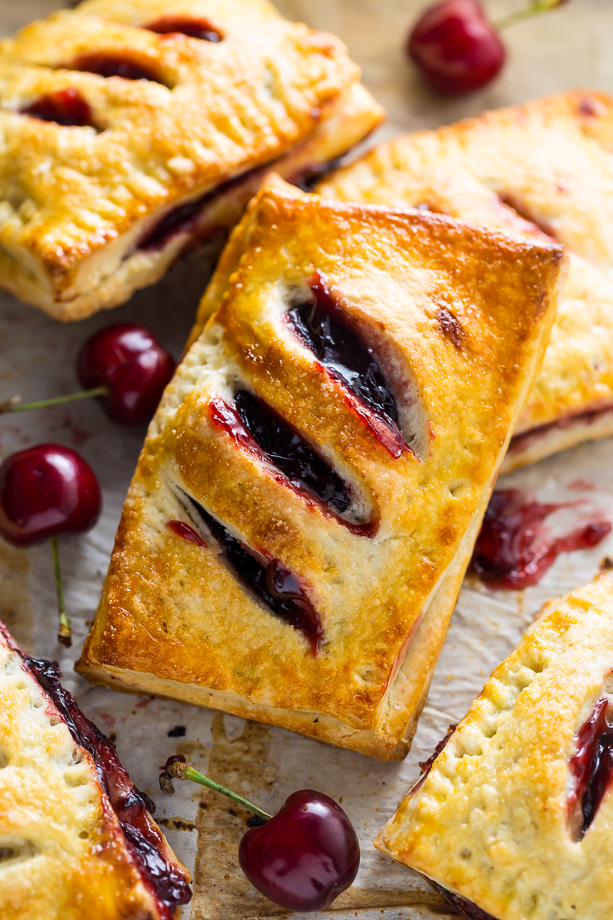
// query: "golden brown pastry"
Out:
[131,128]
[76,837]
[513,817]
[312,484]
[542,170]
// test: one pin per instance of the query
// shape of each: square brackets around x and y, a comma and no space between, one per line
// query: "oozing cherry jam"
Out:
[280,590]
[288,451]
[183,219]
[112,64]
[591,767]
[183,530]
[186,218]
[64,107]
[129,804]
[521,441]
[185,25]
[263,434]
[321,326]
[512,551]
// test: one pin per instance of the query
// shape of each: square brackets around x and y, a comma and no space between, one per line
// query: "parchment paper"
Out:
[563,49]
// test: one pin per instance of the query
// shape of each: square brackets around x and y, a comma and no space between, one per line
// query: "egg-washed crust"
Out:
[75,202]
[544,168]
[490,821]
[458,317]
[63,853]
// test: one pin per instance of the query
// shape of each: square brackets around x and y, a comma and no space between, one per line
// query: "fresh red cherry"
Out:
[303,857]
[455,47]
[131,365]
[45,491]
[125,366]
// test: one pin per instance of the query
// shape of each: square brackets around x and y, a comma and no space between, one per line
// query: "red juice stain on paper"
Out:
[514,550]
[581,485]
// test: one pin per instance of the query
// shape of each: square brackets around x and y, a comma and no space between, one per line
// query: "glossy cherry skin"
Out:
[305,856]
[130,362]
[455,47]
[44,491]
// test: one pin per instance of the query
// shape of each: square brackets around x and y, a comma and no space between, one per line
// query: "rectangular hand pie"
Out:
[542,170]
[312,484]
[76,837]
[513,818]
[131,128]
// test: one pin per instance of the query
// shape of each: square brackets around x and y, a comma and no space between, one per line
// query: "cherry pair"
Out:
[48,489]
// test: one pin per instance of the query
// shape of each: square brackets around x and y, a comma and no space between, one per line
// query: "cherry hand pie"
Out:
[542,170]
[513,818]
[132,128]
[312,484]
[76,837]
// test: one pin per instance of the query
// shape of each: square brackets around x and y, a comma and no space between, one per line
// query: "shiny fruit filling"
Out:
[111,64]
[65,107]
[591,767]
[131,806]
[258,430]
[279,589]
[289,452]
[322,326]
[185,25]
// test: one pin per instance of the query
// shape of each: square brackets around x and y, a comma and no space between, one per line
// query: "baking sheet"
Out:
[567,48]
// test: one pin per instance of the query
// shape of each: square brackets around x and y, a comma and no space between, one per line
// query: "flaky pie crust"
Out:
[490,821]
[75,202]
[174,620]
[544,169]
[63,854]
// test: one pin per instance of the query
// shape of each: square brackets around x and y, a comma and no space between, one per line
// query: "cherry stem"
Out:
[64,634]
[13,405]
[535,8]
[181,770]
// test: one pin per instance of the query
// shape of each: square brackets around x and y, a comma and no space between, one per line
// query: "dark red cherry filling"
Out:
[591,767]
[323,328]
[258,430]
[183,219]
[129,804]
[280,590]
[186,532]
[64,107]
[520,442]
[114,64]
[185,25]
[512,552]
[287,450]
